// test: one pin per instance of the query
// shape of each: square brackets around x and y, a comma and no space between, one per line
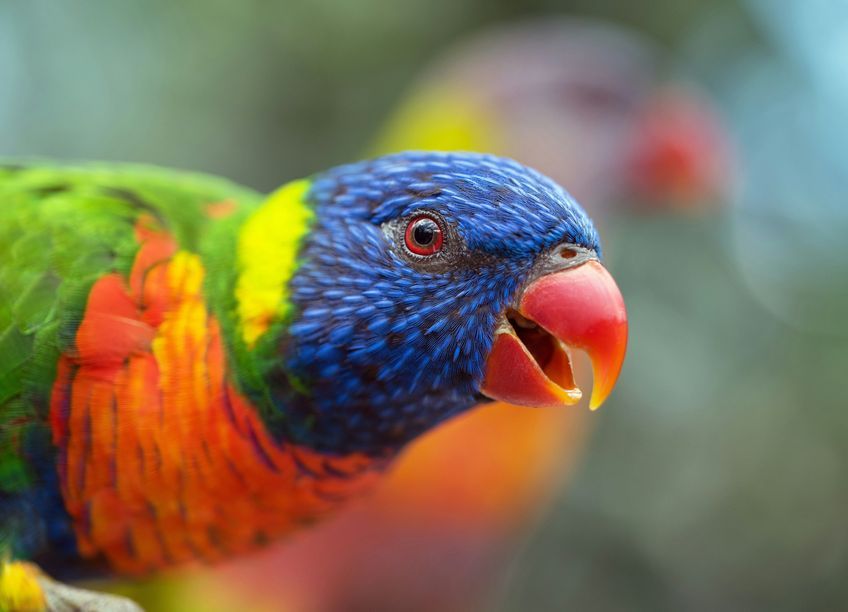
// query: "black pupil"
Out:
[424,232]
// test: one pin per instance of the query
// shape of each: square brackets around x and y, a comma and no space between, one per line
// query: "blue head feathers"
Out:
[385,342]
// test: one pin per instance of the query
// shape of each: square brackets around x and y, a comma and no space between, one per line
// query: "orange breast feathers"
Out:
[161,460]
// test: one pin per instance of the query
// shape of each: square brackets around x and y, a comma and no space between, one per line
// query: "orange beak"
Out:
[580,307]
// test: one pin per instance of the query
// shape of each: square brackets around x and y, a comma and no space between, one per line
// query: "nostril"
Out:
[567,253]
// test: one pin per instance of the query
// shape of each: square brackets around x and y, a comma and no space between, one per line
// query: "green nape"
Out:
[260,247]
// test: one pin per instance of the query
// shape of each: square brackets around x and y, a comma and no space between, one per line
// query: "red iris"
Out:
[424,235]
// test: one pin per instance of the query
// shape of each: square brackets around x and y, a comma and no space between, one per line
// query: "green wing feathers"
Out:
[61,228]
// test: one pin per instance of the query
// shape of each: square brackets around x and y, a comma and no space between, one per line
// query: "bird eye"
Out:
[424,236]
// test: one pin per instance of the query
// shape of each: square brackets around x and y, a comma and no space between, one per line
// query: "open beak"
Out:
[579,307]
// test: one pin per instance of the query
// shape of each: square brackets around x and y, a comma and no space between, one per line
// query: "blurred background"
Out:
[707,139]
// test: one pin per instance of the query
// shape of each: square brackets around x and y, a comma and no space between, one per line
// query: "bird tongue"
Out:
[581,308]
[514,375]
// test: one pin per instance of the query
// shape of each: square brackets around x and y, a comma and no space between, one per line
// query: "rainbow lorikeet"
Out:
[189,369]
[585,102]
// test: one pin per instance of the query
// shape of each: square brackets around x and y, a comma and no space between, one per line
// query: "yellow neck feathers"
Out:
[267,258]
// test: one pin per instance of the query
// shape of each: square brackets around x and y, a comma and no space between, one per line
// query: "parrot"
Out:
[190,370]
[581,99]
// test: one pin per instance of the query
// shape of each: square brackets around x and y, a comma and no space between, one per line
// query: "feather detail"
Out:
[161,459]
[267,258]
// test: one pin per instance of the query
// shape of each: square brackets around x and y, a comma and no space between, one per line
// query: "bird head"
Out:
[432,281]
